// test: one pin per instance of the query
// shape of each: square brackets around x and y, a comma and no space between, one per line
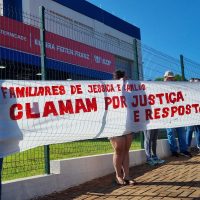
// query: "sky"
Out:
[169,26]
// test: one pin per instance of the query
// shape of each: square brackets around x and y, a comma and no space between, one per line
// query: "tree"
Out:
[159,79]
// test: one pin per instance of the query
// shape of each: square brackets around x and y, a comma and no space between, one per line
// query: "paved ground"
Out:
[179,178]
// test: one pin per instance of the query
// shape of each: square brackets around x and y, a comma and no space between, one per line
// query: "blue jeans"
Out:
[181,139]
[189,131]
[1,165]
[150,142]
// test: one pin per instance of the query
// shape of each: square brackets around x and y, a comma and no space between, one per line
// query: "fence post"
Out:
[138,78]
[43,76]
[1,166]
[136,58]
[182,68]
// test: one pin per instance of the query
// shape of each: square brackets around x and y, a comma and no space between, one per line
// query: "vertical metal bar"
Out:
[1,166]
[138,78]
[182,68]
[136,58]
[42,41]
[43,77]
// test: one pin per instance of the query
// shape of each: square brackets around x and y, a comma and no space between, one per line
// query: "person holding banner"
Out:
[150,145]
[121,146]
[169,76]
[195,129]
[189,132]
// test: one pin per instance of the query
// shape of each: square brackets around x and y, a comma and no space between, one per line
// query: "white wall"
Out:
[70,172]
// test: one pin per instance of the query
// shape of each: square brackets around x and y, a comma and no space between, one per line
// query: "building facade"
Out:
[82,41]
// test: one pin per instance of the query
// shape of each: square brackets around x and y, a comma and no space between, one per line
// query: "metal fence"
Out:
[153,63]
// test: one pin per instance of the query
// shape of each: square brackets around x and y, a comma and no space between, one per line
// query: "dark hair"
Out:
[197,79]
[194,80]
[118,74]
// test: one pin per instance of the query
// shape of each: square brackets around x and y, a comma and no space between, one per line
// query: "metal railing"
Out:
[146,64]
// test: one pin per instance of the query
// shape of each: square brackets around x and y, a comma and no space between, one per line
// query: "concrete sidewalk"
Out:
[179,178]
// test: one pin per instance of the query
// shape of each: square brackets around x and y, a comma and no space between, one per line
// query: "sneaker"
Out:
[176,154]
[198,147]
[194,149]
[151,161]
[186,154]
[158,160]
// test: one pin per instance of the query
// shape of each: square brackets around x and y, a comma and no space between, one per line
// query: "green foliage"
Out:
[177,78]
[31,162]
[159,79]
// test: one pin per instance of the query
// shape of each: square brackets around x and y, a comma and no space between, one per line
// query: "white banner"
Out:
[35,113]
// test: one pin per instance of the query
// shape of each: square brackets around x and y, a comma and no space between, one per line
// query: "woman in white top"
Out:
[121,146]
